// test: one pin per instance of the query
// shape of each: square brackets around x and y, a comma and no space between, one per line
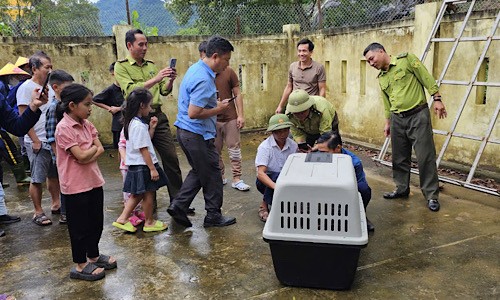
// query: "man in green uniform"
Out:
[311,117]
[402,80]
[136,71]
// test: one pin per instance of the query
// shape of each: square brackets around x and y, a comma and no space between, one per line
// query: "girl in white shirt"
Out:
[144,174]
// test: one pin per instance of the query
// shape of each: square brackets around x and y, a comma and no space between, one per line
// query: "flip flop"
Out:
[103,262]
[86,273]
[158,226]
[127,226]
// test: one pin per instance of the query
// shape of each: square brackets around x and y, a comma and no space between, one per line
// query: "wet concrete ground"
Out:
[413,254]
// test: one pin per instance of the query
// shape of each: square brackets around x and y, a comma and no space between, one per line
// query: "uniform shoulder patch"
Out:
[402,55]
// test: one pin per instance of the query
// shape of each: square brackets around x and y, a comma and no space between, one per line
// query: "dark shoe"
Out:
[179,216]
[5,185]
[218,221]
[433,204]
[2,233]
[7,219]
[103,262]
[190,211]
[62,219]
[369,225]
[56,211]
[396,195]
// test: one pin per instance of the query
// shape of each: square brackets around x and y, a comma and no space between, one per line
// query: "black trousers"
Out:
[163,141]
[116,138]
[84,212]
[205,173]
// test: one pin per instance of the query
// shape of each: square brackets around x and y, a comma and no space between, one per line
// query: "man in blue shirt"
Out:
[198,108]
[332,142]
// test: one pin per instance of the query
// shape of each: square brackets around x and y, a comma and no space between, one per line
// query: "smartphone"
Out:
[303,146]
[232,98]
[173,62]
[45,84]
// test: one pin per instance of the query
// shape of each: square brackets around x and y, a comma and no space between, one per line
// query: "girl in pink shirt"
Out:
[77,148]
[144,175]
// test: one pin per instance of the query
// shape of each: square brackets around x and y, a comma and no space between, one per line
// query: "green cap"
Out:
[279,121]
[299,101]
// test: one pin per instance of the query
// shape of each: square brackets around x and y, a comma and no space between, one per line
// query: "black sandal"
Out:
[103,262]
[86,273]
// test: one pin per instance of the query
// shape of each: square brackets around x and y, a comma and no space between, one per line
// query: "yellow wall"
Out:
[358,103]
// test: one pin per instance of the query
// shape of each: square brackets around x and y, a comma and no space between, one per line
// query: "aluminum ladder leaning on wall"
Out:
[485,139]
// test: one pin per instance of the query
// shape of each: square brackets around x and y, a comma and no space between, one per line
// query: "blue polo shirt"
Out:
[197,88]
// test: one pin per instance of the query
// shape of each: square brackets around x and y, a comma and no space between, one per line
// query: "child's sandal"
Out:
[135,220]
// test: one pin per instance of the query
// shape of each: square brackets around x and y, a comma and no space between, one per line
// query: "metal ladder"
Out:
[485,139]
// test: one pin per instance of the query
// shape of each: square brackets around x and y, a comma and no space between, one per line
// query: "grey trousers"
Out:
[414,131]
[205,173]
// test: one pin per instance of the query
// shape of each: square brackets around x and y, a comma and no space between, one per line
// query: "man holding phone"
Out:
[135,71]
[38,149]
[229,123]
[197,113]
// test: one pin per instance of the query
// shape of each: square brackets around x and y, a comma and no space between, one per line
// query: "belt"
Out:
[412,111]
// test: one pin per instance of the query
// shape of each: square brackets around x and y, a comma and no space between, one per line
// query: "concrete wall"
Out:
[262,63]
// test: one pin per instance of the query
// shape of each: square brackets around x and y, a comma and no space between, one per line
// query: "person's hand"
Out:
[279,109]
[36,146]
[162,74]
[440,110]
[222,105]
[153,122]
[240,122]
[387,129]
[38,99]
[154,175]
[114,109]
[172,73]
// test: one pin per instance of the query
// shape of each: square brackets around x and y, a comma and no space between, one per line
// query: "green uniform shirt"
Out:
[131,76]
[318,121]
[403,84]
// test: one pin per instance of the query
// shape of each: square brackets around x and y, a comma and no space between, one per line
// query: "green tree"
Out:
[252,16]
[148,30]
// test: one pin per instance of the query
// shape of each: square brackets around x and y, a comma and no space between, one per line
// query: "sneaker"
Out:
[433,204]
[240,186]
[224,181]
[62,219]
[7,219]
